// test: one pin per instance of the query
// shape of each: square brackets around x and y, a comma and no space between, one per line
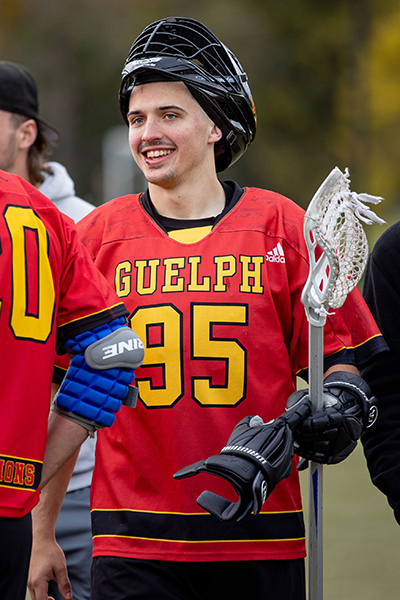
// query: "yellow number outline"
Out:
[168,353]
[25,326]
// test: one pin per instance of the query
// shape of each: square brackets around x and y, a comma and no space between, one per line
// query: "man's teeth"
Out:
[157,153]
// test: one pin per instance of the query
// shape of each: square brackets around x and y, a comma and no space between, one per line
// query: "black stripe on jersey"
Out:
[359,356]
[70,330]
[365,352]
[197,527]
[20,473]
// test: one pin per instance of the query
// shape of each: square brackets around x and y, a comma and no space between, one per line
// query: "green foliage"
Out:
[324,76]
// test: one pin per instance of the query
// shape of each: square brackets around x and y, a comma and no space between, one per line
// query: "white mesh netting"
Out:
[335,215]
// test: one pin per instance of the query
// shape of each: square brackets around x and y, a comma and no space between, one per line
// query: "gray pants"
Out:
[74,534]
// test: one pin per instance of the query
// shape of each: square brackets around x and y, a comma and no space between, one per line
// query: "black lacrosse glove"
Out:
[257,456]
[329,435]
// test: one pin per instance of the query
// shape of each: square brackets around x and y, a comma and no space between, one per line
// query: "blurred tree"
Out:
[324,76]
[384,81]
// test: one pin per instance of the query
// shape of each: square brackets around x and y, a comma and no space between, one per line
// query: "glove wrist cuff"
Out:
[255,458]
[358,386]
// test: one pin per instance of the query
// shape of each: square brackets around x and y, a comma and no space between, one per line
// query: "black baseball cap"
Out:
[18,94]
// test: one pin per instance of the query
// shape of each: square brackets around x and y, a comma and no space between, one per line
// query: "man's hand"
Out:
[257,456]
[329,435]
[47,563]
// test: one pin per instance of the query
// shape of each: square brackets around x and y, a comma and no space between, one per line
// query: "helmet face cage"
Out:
[183,49]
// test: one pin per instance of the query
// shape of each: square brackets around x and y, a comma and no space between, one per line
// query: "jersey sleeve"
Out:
[367,340]
[351,336]
[82,279]
[86,298]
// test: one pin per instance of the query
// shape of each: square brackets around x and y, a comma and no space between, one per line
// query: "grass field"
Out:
[361,536]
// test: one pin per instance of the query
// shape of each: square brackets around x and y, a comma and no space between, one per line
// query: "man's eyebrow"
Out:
[172,106]
[160,109]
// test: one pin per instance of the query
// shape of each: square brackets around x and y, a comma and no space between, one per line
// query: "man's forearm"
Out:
[340,367]
[63,440]
[52,496]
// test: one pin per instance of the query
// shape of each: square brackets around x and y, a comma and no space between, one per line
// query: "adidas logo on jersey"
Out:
[276,255]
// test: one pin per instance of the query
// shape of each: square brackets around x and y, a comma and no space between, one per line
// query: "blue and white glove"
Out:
[100,375]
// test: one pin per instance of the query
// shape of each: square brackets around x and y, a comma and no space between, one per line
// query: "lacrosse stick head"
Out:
[336,243]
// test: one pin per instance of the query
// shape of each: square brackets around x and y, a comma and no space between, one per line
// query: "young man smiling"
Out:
[172,141]
[224,329]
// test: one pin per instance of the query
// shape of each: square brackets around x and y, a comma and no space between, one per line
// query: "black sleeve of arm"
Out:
[382,293]
[382,447]
[70,330]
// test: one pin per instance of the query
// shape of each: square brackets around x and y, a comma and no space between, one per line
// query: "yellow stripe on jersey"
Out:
[190,236]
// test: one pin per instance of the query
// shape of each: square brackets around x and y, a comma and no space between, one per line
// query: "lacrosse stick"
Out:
[338,252]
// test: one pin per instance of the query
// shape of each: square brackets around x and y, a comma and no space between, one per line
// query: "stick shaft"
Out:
[316,365]
[315,532]
[315,509]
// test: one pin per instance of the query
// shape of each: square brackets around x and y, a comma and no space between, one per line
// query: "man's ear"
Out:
[215,134]
[26,134]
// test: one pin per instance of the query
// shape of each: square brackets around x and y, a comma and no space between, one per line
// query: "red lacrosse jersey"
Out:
[49,285]
[225,334]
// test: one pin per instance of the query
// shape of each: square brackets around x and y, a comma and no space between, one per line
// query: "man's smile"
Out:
[157,153]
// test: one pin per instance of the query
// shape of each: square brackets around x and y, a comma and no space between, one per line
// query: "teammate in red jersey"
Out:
[212,275]
[49,289]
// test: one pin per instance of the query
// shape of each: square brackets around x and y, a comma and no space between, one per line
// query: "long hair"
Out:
[38,153]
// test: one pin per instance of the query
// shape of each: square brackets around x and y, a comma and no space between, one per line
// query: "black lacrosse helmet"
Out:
[183,49]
